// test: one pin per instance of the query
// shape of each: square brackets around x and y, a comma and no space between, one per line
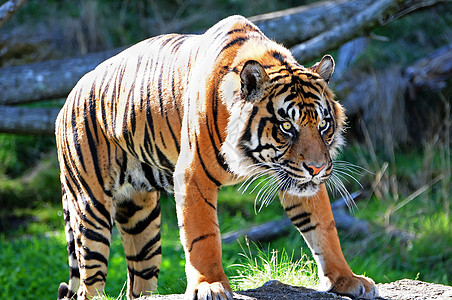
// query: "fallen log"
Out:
[46,80]
[381,99]
[21,120]
[432,71]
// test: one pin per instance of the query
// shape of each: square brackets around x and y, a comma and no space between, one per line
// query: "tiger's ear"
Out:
[325,67]
[253,78]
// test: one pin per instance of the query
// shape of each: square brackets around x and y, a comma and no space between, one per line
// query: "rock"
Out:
[275,290]
[414,289]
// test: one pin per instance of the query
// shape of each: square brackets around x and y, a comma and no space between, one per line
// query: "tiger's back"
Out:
[136,99]
[168,115]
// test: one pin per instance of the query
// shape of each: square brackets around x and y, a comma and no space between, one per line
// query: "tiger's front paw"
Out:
[355,287]
[210,291]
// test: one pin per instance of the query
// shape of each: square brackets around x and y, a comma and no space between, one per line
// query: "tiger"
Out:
[187,114]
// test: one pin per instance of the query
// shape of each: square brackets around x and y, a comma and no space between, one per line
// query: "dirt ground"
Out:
[274,290]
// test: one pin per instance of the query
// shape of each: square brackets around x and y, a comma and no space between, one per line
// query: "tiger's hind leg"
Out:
[88,232]
[92,233]
[66,291]
[138,220]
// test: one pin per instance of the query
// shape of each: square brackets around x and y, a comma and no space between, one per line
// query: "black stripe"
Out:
[148,146]
[198,239]
[146,274]
[144,223]
[247,132]
[239,41]
[94,255]
[98,205]
[307,229]
[302,222]
[123,169]
[205,199]
[125,210]
[176,143]
[307,95]
[143,82]
[149,175]
[277,77]
[71,177]
[145,254]
[160,92]
[302,215]
[164,162]
[280,57]
[149,119]
[215,117]
[78,148]
[289,208]
[99,276]
[218,154]
[245,28]
[162,139]
[213,179]
[74,272]
[93,235]
[90,267]
[290,98]
[92,110]
[284,89]
[94,157]
[86,219]
[173,93]
[71,247]
[133,122]
[113,103]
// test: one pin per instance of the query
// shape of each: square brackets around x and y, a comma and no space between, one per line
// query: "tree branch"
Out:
[299,24]
[8,9]
[378,13]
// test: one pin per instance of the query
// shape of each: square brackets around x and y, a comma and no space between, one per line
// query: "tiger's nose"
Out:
[313,169]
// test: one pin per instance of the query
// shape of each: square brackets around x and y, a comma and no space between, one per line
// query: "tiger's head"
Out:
[284,122]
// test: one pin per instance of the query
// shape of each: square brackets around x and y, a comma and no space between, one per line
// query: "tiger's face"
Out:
[293,126]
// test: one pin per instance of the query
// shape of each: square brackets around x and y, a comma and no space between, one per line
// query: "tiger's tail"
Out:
[68,291]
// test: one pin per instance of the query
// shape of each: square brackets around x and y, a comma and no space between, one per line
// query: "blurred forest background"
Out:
[394,78]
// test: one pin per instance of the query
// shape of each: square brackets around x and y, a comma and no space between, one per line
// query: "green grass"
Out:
[28,269]
[256,269]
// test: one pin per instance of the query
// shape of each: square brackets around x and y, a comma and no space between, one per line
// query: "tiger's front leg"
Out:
[313,217]
[196,203]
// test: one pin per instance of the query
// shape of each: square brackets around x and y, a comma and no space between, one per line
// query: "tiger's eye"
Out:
[322,123]
[287,125]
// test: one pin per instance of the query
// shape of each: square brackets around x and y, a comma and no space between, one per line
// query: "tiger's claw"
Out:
[355,287]
[210,291]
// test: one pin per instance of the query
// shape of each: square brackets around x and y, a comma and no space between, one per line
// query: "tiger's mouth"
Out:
[297,187]
[303,189]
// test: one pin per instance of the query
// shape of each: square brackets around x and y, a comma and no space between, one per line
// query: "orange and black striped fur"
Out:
[188,114]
